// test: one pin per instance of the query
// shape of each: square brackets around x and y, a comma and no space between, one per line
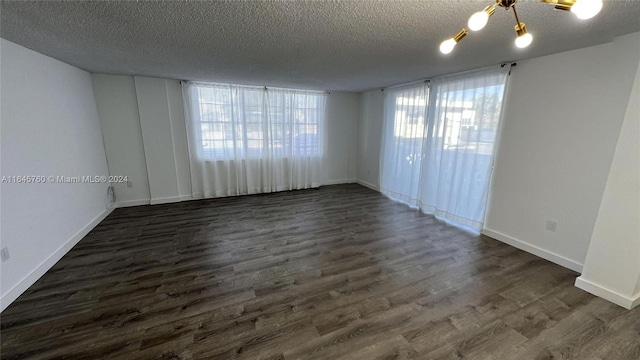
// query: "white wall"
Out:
[341,117]
[560,127]
[144,117]
[49,127]
[369,137]
[179,137]
[612,266]
[143,127]
[157,139]
[120,123]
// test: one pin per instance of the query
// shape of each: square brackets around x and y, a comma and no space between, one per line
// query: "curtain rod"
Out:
[406,84]
[511,65]
[254,86]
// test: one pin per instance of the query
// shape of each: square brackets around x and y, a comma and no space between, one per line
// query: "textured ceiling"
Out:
[328,45]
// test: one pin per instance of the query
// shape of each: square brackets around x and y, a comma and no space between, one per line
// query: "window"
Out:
[249,140]
[241,122]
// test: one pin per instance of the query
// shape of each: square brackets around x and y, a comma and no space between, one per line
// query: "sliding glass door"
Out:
[444,168]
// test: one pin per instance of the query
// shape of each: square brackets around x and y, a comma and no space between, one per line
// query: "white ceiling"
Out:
[327,45]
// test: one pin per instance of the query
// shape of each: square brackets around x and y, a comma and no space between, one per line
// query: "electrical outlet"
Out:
[551,225]
[129,183]
[4,254]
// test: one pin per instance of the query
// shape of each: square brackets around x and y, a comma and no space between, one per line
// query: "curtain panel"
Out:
[247,140]
[438,153]
[405,120]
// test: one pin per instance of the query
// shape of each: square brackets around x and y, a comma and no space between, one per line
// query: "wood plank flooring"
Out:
[338,272]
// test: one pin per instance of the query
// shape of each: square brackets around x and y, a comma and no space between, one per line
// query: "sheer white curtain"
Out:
[451,180]
[459,145]
[404,130]
[247,140]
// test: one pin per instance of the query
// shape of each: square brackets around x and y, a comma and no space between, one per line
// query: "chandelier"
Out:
[583,9]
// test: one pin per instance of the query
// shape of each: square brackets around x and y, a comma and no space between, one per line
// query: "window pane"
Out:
[236,122]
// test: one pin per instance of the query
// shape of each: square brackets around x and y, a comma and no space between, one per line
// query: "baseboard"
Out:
[44,266]
[635,300]
[174,199]
[155,201]
[128,203]
[366,184]
[341,181]
[165,200]
[535,250]
[607,294]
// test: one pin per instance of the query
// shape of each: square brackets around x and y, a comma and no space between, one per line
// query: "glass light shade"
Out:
[524,40]
[478,20]
[447,46]
[586,9]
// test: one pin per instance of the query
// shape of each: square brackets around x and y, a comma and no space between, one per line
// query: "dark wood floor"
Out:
[335,273]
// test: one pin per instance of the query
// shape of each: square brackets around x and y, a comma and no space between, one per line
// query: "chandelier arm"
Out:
[516,14]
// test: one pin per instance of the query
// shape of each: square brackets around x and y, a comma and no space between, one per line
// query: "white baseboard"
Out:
[535,250]
[128,203]
[607,294]
[370,186]
[44,266]
[340,181]
[165,200]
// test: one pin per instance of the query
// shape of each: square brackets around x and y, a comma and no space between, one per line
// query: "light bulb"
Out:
[447,46]
[524,40]
[586,9]
[478,20]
